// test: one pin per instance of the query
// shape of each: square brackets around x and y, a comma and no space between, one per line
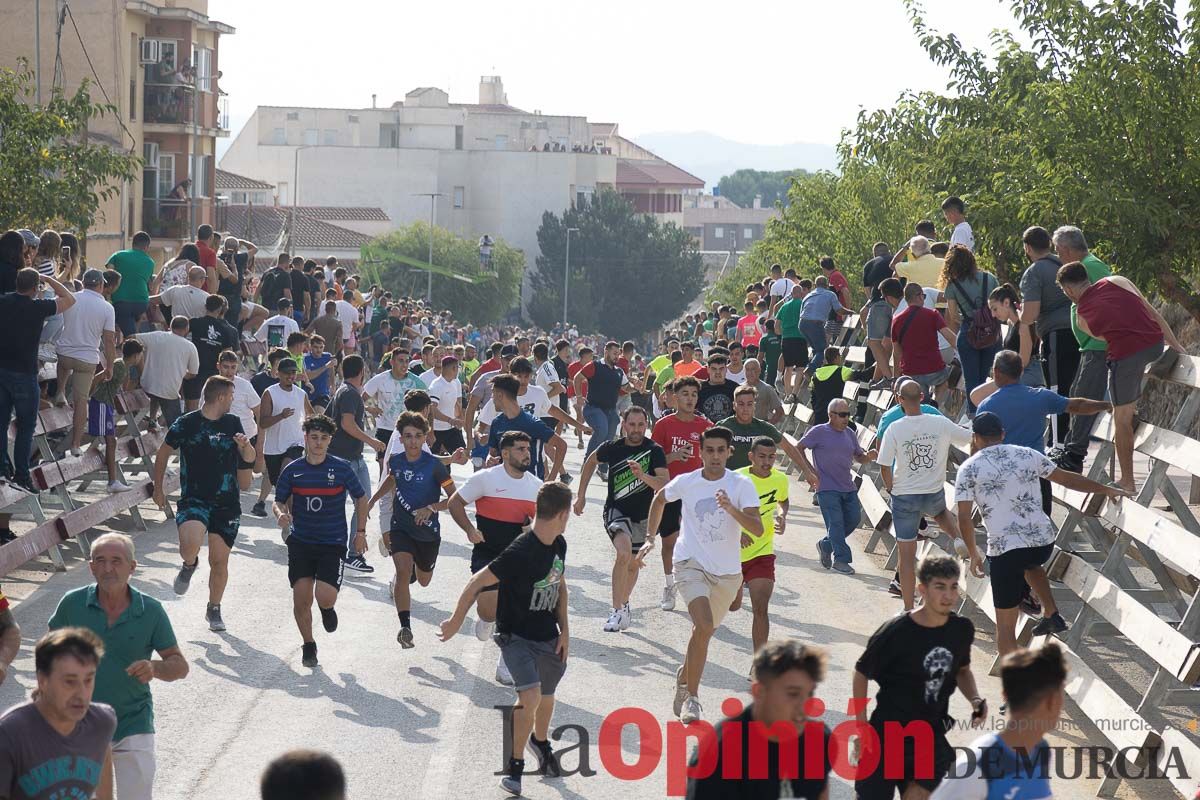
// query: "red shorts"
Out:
[759,567]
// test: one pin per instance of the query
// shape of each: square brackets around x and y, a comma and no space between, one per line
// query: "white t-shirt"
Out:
[1002,480]
[499,496]
[168,358]
[286,433]
[288,324]
[347,315]
[444,393]
[709,536]
[83,325]
[963,235]
[428,377]
[545,376]
[782,288]
[388,392]
[534,400]
[185,301]
[245,400]
[920,446]
[737,377]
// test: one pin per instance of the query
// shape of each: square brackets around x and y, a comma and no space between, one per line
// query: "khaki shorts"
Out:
[79,375]
[693,582]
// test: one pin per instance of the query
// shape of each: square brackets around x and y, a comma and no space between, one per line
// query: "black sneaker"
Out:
[309,654]
[7,536]
[329,619]
[405,638]
[1065,459]
[213,616]
[511,782]
[184,579]
[547,760]
[356,563]
[259,509]
[1051,624]
[25,483]
[1029,604]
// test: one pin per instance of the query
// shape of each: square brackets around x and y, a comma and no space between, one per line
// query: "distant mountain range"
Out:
[710,157]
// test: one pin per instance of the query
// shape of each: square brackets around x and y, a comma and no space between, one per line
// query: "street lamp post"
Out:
[433,196]
[567,274]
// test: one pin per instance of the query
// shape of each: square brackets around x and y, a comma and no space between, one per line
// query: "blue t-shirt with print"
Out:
[418,484]
[318,493]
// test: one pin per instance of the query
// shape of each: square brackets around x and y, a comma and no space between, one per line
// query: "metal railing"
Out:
[165,218]
[169,104]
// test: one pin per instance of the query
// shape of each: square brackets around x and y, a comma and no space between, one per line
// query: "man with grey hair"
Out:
[836,449]
[922,267]
[133,626]
[1091,376]
[87,326]
[767,404]
[187,300]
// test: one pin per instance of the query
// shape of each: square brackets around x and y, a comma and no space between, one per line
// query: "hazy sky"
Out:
[759,72]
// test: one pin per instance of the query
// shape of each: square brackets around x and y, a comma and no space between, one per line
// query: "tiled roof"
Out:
[653,173]
[353,213]
[266,223]
[231,180]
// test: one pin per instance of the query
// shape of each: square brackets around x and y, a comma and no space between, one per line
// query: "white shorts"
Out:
[133,763]
[693,582]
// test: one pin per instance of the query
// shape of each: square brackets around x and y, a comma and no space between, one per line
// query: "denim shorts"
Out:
[907,510]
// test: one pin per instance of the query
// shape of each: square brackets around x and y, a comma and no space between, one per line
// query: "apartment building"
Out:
[159,63]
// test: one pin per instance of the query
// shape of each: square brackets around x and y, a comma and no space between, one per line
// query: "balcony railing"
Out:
[169,104]
[164,218]
[223,113]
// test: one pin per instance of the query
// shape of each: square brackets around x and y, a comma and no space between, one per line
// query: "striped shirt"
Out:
[319,498]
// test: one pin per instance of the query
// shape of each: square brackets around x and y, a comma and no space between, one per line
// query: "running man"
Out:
[505,498]
[212,447]
[637,467]
[758,551]
[310,505]
[283,408]
[678,435]
[531,627]
[717,505]
[512,417]
[416,479]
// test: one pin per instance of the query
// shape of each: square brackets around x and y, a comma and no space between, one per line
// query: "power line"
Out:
[92,67]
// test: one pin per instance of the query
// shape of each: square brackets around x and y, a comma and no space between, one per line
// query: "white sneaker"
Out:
[75,452]
[691,710]
[614,621]
[483,630]
[626,617]
[383,548]
[668,601]
[117,486]
[503,676]
[960,547]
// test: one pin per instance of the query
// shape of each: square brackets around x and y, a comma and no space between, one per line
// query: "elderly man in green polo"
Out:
[133,627]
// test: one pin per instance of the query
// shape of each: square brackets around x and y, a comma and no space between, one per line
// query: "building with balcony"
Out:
[720,225]
[481,168]
[158,61]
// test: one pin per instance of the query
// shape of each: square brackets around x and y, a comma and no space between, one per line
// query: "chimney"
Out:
[758,201]
[491,91]
[373,100]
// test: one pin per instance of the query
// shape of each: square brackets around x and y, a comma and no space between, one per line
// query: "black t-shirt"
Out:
[21,319]
[261,381]
[875,272]
[299,289]
[626,493]
[274,281]
[716,400]
[208,457]
[916,668]
[604,385]
[314,289]
[228,289]
[560,367]
[529,573]
[211,335]
[346,401]
[716,787]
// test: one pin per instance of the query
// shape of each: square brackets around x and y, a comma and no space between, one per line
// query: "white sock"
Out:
[670,579]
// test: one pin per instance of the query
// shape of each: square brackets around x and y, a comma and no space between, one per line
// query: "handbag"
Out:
[983,330]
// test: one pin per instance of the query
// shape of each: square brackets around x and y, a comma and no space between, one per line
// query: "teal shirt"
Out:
[1096,269]
[136,268]
[788,317]
[140,631]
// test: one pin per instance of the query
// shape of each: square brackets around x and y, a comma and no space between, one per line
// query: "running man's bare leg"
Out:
[697,647]
[760,599]
[541,722]
[400,593]
[1037,580]
[908,572]
[620,570]
[191,536]
[327,596]
[218,568]
[524,715]
[668,552]
[302,598]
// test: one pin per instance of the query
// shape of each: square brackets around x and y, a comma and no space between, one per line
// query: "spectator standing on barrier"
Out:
[922,266]
[87,326]
[1047,310]
[1115,312]
[238,263]
[170,360]
[793,346]
[819,305]
[840,287]
[133,626]
[210,334]
[132,297]
[21,318]
[62,725]
[878,314]
[303,775]
[915,343]
[954,210]
[967,290]
[101,406]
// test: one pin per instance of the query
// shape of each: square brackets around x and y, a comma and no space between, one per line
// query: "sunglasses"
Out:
[839,413]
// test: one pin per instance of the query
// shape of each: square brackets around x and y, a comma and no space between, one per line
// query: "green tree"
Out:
[51,173]
[742,185]
[629,274]
[483,301]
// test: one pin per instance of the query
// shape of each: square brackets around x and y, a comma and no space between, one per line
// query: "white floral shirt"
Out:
[1002,481]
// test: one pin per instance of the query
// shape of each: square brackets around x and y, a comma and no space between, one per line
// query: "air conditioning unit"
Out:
[151,51]
[150,154]
[293,116]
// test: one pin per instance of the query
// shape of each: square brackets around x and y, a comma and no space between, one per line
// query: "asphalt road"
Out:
[423,722]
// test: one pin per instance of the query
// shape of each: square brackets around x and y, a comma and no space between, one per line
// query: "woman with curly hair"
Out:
[967,290]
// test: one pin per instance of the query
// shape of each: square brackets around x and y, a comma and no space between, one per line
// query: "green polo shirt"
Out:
[1096,269]
[788,317]
[140,631]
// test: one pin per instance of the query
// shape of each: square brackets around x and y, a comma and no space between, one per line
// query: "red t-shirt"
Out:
[1120,318]
[572,371]
[748,331]
[683,369]
[838,282]
[673,434]
[208,256]
[920,348]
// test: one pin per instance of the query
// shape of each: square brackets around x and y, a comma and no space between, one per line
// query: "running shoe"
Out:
[691,710]
[213,616]
[825,553]
[565,478]
[483,630]
[25,484]
[7,536]
[1051,624]
[882,383]
[356,563]
[614,621]
[405,638]
[668,601]
[681,693]
[1029,604]
[184,579]
[329,619]
[843,567]
[259,509]
[626,617]
[546,757]
[1066,459]
[503,676]
[512,784]
[308,655]
[115,487]
[894,588]
[74,452]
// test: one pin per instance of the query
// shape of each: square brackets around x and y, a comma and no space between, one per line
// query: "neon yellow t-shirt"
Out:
[772,490]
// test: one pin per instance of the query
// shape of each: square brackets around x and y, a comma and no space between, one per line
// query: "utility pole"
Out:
[567,274]
[433,196]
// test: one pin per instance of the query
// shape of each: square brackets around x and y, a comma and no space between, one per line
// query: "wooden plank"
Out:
[873,504]
[1123,727]
[76,522]
[48,475]
[254,348]
[29,546]
[855,355]
[1185,371]
[145,445]
[10,495]
[1170,540]
[130,402]
[1171,649]
[1181,748]
[49,420]
[1175,449]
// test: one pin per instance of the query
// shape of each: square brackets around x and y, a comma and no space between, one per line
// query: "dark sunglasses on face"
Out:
[839,413]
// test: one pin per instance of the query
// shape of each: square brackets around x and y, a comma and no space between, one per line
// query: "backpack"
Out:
[983,330]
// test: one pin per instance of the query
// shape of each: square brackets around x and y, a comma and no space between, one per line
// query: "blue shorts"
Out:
[220,520]
[101,419]
[907,510]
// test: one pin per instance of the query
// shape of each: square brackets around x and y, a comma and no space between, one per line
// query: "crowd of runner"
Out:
[686,442]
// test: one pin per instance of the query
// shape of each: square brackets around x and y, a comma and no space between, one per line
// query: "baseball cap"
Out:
[508,351]
[987,425]
[31,238]
[287,365]
[93,277]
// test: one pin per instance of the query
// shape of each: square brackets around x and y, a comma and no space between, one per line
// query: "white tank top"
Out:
[287,432]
